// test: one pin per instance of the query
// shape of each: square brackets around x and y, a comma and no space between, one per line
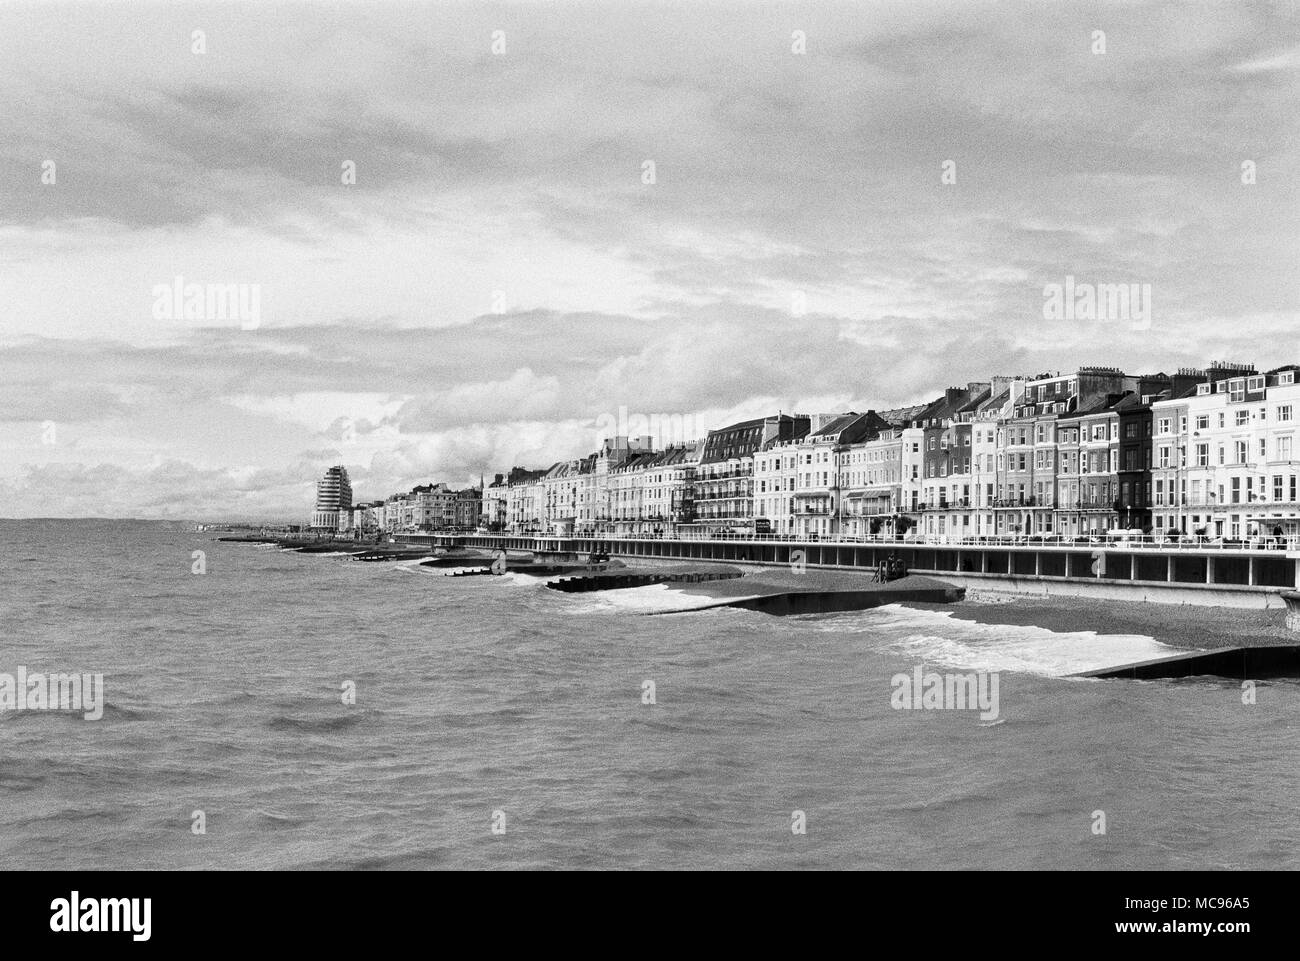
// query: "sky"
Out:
[478,235]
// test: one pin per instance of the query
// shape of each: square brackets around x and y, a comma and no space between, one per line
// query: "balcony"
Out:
[960,503]
[1030,501]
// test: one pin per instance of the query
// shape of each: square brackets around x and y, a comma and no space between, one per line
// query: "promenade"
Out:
[1183,572]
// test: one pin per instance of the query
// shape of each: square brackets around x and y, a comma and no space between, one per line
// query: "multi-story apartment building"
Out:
[333,500]
[433,507]
[467,508]
[724,488]
[1238,477]
[1088,484]
[525,501]
[1133,502]
[947,461]
[872,476]
[568,496]
[1027,444]
[438,507]
[1005,394]
[1135,498]
[776,467]
[367,519]
[871,481]
[598,514]
[495,499]
[648,493]
[429,507]
[823,463]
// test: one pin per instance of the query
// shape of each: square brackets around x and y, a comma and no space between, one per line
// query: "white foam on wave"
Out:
[518,578]
[939,638]
[645,599]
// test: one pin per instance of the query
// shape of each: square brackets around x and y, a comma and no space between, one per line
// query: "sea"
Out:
[269,709]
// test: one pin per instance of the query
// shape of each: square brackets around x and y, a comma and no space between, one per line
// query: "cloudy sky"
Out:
[502,278]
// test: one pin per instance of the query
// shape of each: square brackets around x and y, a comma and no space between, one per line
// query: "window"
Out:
[1242,418]
[1164,456]
[1162,428]
[1284,413]
[1240,452]
[1284,448]
[1202,421]
[1236,490]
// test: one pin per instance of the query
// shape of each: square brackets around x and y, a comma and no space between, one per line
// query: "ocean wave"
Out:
[406,861]
[317,724]
[114,712]
[934,805]
[17,781]
[646,599]
[938,637]
[273,819]
[111,712]
[479,718]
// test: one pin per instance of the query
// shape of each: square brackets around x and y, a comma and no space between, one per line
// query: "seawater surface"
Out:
[486,694]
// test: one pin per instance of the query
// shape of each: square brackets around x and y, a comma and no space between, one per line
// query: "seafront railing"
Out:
[1151,542]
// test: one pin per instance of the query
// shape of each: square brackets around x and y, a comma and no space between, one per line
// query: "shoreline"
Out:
[1185,626]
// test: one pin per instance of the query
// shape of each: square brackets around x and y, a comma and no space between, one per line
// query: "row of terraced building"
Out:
[1209,451]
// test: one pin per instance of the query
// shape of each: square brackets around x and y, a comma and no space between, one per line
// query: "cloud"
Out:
[515,183]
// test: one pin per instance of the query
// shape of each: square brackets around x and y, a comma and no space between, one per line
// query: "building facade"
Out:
[333,501]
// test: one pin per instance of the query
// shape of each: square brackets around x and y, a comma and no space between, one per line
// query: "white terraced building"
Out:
[1227,457]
